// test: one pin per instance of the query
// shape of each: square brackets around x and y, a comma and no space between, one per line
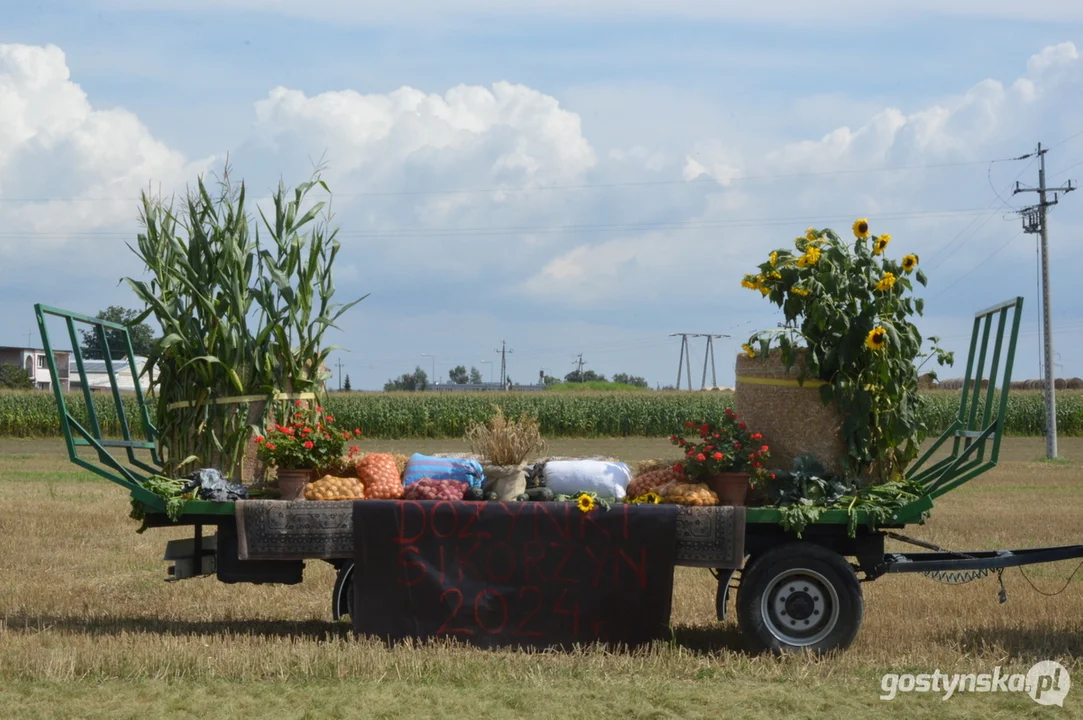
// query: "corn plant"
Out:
[240,318]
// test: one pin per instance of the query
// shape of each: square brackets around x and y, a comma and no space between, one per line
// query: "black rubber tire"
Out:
[806,566]
[342,596]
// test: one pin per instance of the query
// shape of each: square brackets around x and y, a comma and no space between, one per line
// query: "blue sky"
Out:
[648,157]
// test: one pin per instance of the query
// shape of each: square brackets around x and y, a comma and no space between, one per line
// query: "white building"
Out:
[34,361]
[97,377]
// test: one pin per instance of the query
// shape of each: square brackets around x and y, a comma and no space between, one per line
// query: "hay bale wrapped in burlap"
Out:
[791,417]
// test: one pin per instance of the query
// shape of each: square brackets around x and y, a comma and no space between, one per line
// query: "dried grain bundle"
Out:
[503,441]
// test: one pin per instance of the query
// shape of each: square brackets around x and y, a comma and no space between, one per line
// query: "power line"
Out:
[551,229]
[1073,136]
[582,186]
[951,242]
[988,257]
[1064,170]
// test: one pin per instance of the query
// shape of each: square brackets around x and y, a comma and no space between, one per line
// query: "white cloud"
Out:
[973,124]
[958,128]
[80,166]
[509,135]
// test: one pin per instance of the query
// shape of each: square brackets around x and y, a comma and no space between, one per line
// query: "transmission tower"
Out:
[684,362]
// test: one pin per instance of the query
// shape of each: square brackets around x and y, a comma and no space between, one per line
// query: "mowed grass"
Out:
[89,629]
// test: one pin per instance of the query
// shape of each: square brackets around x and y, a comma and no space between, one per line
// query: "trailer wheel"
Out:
[342,596]
[799,596]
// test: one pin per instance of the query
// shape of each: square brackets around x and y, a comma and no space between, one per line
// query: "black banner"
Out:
[534,574]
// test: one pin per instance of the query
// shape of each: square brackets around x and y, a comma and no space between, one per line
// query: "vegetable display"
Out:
[682,493]
[330,487]
[806,492]
[429,489]
[380,475]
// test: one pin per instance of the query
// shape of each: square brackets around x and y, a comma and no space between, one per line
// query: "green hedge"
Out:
[585,414]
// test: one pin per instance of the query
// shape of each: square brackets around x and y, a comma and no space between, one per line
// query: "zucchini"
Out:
[522,498]
[491,496]
[541,493]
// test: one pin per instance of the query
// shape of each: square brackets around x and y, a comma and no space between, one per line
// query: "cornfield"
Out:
[602,414]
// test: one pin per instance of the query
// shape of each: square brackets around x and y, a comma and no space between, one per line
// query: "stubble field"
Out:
[89,629]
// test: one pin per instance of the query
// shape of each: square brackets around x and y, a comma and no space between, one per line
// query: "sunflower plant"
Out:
[849,307]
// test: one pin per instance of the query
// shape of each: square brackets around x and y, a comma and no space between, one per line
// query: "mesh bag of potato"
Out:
[652,481]
[683,493]
[330,487]
[380,475]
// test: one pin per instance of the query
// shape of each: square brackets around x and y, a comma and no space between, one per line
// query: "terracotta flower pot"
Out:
[291,483]
[731,487]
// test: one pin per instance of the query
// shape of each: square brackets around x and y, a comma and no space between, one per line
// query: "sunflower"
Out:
[750,282]
[861,228]
[811,257]
[886,282]
[811,235]
[585,503]
[651,498]
[910,262]
[749,351]
[876,339]
[775,275]
[881,244]
[803,292]
[774,258]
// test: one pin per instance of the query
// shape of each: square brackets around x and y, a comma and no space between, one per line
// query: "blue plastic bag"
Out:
[462,469]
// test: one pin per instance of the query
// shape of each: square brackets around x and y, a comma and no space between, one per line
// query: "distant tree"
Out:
[508,382]
[626,379]
[475,376]
[142,335]
[13,377]
[587,376]
[550,380]
[417,380]
[458,375]
[346,386]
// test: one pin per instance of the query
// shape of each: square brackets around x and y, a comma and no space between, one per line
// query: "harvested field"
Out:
[89,629]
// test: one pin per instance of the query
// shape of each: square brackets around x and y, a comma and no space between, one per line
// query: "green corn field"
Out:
[587,414]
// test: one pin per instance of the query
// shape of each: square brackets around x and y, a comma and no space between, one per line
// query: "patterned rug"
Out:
[278,530]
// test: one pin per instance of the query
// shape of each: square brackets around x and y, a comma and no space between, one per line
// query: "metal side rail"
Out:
[976,559]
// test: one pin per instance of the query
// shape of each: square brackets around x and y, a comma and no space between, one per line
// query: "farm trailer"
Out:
[792,594]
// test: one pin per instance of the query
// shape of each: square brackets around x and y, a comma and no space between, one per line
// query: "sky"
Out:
[567,178]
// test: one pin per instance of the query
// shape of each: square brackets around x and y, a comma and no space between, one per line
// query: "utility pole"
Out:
[339,366]
[1035,221]
[579,366]
[504,351]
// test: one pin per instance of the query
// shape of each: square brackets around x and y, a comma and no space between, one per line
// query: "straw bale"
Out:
[791,418]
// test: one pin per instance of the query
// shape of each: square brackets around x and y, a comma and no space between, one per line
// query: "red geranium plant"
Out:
[726,446]
[310,440]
